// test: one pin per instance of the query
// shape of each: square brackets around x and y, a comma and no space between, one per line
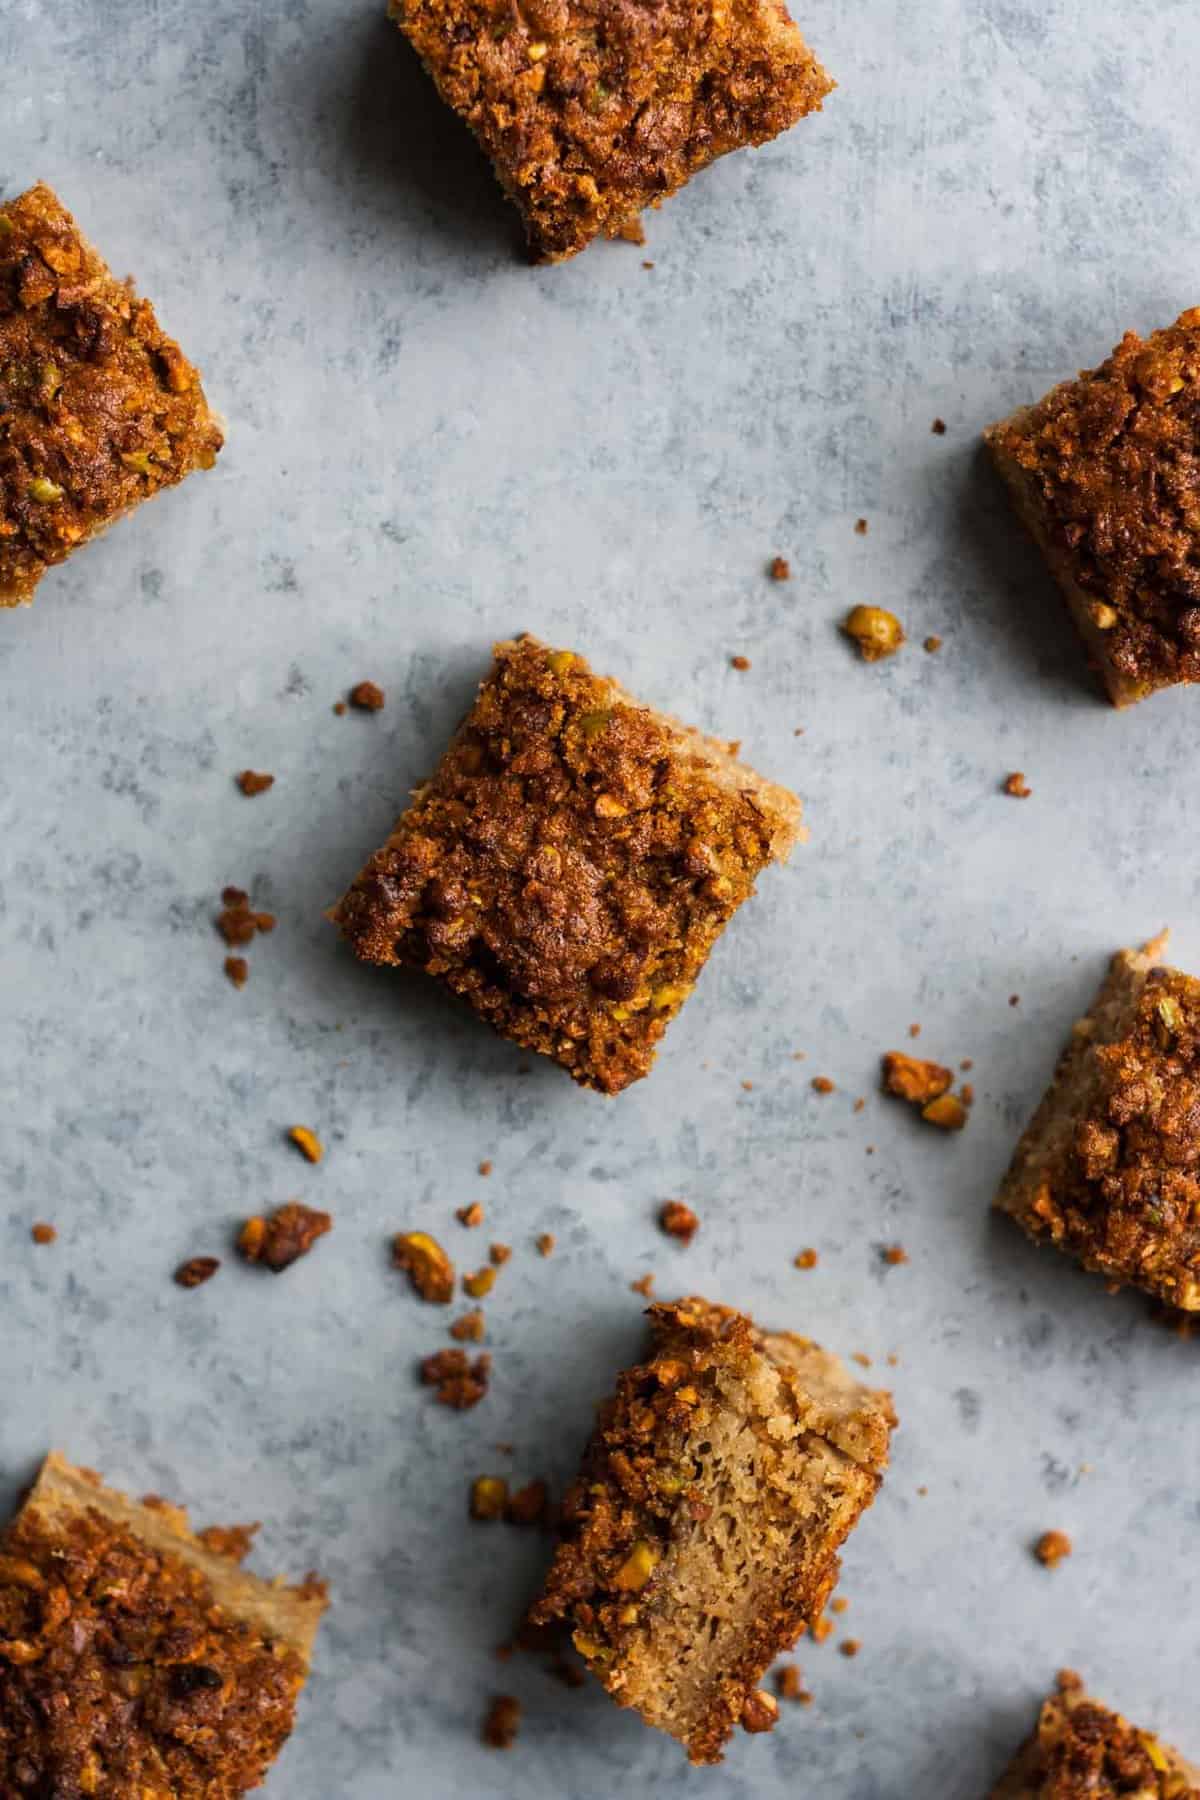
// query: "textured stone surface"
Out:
[429,446]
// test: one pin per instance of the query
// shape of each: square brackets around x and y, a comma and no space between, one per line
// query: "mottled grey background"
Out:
[431,445]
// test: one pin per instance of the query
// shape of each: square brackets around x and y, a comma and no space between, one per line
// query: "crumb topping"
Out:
[1082,1751]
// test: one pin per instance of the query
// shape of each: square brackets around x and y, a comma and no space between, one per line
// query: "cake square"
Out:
[592,110]
[570,865]
[1081,1751]
[702,1533]
[99,409]
[1105,473]
[1109,1168]
[135,1657]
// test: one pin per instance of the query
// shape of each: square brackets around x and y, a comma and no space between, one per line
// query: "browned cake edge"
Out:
[1031,510]
[287,1615]
[1046,1140]
[1021,1781]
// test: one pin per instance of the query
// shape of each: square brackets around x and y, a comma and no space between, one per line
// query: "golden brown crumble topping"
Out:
[570,864]
[592,110]
[1082,1751]
[99,409]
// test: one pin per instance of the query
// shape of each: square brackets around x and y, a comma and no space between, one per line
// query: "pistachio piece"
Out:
[138,461]
[489,1497]
[559,661]
[48,493]
[877,633]
[947,1112]
[637,1568]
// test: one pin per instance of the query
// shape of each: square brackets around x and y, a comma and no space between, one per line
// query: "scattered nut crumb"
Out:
[499,1254]
[470,1216]
[966,1093]
[236,922]
[503,1722]
[821,1629]
[238,970]
[1052,1548]
[938,428]
[367,697]
[822,1085]
[1014,999]
[894,1255]
[307,1143]
[789,1683]
[760,1712]
[912,1079]
[748,1086]
[914,1030]
[485,1168]
[528,1505]
[807,1259]
[647,265]
[489,1497]
[632,231]
[858,1356]
[967,1063]
[1016,785]
[339,707]
[43,1234]
[877,633]
[948,1113]
[480,1284]
[284,1236]
[252,783]
[426,1265]
[859,1104]
[197,1270]
[780,569]
[861,527]
[545,1244]
[469,1328]
[460,1383]
[644,1286]
[932,645]
[849,1646]
[678,1221]
[839,1604]
[739,662]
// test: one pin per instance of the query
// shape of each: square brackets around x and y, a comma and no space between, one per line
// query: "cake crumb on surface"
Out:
[502,1723]
[367,697]
[678,1221]
[780,569]
[279,1239]
[807,1259]
[460,1383]
[1052,1548]
[41,1233]
[197,1270]
[253,783]
[238,970]
[1016,785]
[307,1143]
[470,1216]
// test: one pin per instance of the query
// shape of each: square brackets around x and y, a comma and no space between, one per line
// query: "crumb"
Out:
[502,1723]
[678,1221]
[739,662]
[480,1284]
[821,1629]
[780,569]
[238,970]
[1016,785]
[233,1542]
[367,697]
[460,1383]
[284,1236]
[861,527]
[197,1270]
[485,1168]
[426,1264]
[913,1079]
[877,632]
[839,1605]
[43,1234]
[469,1328]
[489,1497]
[967,1063]
[893,1361]
[807,1259]
[528,1505]
[799,1055]
[1014,999]
[647,265]
[870,1149]
[644,1286]
[914,1030]
[499,1254]
[545,1244]
[339,707]
[822,1084]
[849,1646]
[1052,1548]
[789,1683]
[966,1093]
[894,1255]
[470,1216]
[859,1104]
[947,1112]
[307,1143]
[858,1356]
[632,231]
[236,922]
[252,783]
[938,428]
[932,645]
[923,1492]
[760,1712]
[749,1086]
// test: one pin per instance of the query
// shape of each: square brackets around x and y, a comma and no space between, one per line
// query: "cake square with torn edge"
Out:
[99,409]
[1107,1169]
[1081,1751]
[1105,473]
[592,110]
[135,1657]
[570,864]
[702,1533]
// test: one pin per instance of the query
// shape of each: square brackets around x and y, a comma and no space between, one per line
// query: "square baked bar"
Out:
[1109,1169]
[1081,1751]
[99,409]
[1105,473]
[570,864]
[701,1536]
[135,1658]
[592,110]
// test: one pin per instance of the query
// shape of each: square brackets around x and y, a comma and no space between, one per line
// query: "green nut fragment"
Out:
[592,723]
[1169,1015]
[559,661]
[7,228]
[670,994]
[138,460]
[47,492]
[637,1568]
[52,379]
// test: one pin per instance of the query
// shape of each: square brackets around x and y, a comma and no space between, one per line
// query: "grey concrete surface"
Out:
[431,445]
